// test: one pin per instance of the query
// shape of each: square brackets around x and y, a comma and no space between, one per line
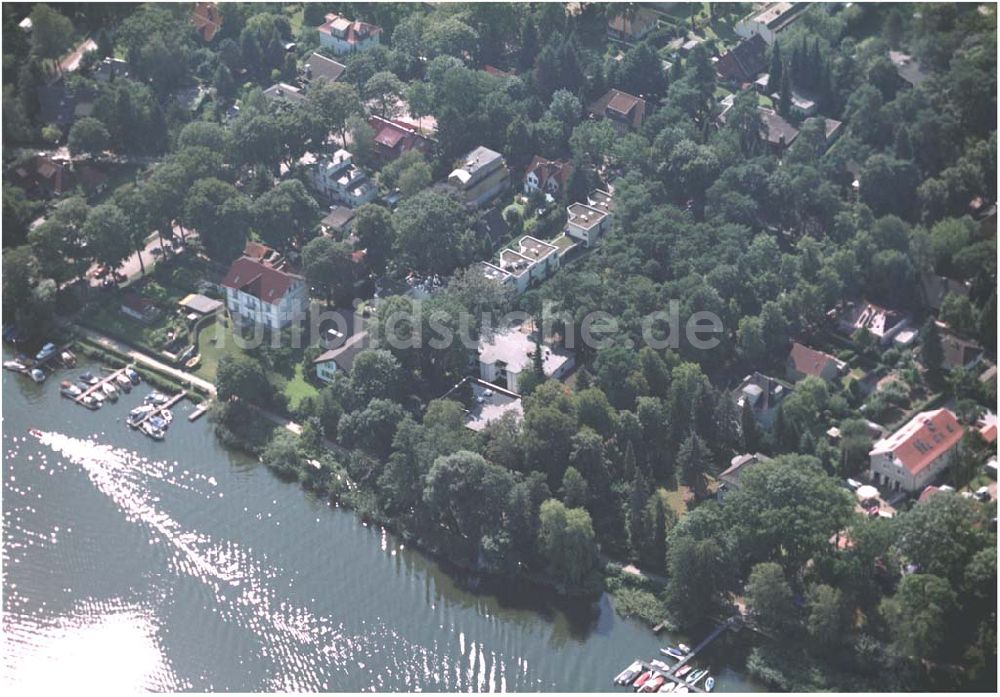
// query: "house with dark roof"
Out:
[206,20]
[764,394]
[959,352]
[338,221]
[261,290]
[883,324]
[391,138]
[340,359]
[632,26]
[548,176]
[139,308]
[804,362]
[744,62]
[908,68]
[935,288]
[62,105]
[283,93]
[318,67]
[624,111]
[44,177]
[912,457]
[730,477]
[343,36]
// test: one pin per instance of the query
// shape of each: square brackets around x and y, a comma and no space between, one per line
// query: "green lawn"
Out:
[298,388]
[215,341]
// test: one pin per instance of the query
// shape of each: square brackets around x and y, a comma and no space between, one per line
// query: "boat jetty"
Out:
[659,676]
[154,417]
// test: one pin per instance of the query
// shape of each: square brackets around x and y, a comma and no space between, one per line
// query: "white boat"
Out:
[696,676]
[132,375]
[38,375]
[90,402]
[710,684]
[152,431]
[685,648]
[16,366]
[167,415]
[68,359]
[682,689]
[624,677]
[98,396]
[110,391]
[668,686]
[124,382]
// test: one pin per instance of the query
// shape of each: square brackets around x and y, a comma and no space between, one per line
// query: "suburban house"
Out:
[806,362]
[481,177]
[338,179]
[548,176]
[392,138]
[282,92]
[935,288]
[342,36]
[497,72]
[484,402]
[44,177]
[340,358]
[530,262]
[764,394]
[338,222]
[744,62]
[587,223]
[881,323]
[624,111]
[139,308]
[908,68]
[318,67]
[199,305]
[632,26]
[739,464]
[770,21]
[260,290]
[959,352]
[206,19]
[913,456]
[110,69]
[507,354]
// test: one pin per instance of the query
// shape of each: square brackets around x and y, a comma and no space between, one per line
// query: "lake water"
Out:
[179,565]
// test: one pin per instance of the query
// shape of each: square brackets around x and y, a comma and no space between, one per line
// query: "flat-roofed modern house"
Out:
[343,36]
[764,394]
[506,355]
[528,263]
[912,457]
[881,323]
[587,223]
[260,290]
[489,402]
[770,21]
[481,176]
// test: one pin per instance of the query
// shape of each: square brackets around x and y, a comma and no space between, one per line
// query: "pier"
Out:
[733,623]
[100,385]
[158,410]
[198,412]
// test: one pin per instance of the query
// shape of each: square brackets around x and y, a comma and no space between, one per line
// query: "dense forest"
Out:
[618,465]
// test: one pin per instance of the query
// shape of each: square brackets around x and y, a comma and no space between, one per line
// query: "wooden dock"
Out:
[198,412]
[159,410]
[100,385]
[671,674]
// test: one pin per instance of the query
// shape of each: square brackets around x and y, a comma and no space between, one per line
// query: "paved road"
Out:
[140,357]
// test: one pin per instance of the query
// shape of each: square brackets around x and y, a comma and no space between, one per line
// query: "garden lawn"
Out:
[298,388]
[215,341]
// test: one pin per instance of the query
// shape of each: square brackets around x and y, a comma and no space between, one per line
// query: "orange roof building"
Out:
[207,20]
[912,457]
[806,362]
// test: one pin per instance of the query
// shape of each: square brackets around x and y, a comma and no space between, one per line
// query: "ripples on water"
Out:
[116,641]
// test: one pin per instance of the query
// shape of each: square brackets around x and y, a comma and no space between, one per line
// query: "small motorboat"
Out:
[70,390]
[696,676]
[89,378]
[193,361]
[16,366]
[38,375]
[659,665]
[124,382]
[641,680]
[671,651]
[685,648]
[110,391]
[654,683]
[683,670]
[46,351]
[167,415]
[156,398]
[158,422]
[709,684]
[132,375]
[68,359]
[152,431]
[668,686]
[98,396]
[90,402]
[629,674]
[82,386]
[682,689]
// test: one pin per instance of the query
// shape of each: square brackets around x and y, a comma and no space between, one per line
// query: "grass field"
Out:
[215,341]
[298,388]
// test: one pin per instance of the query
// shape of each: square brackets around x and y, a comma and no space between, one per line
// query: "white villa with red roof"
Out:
[343,36]
[912,457]
[260,290]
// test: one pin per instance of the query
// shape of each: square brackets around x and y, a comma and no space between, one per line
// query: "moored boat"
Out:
[654,683]
[696,676]
[38,375]
[89,402]
[89,378]
[68,359]
[124,382]
[641,680]
[683,670]
[710,684]
[152,431]
[70,390]
[685,648]
[110,391]
[132,375]
[16,366]
[98,396]
[668,686]
[629,674]
[193,361]
[681,689]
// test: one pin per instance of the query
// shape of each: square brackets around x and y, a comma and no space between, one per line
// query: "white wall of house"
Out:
[341,46]
[884,471]
[249,309]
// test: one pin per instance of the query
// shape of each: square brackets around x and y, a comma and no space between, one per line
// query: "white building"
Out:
[588,222]
[548,176]
[912,457]
[260,291]
[340,180]
[770,21]
[342,36]
[508,354]
[341,358]
[530,262]
[482,176]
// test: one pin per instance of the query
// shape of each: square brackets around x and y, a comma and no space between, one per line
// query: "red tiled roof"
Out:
[137,303]
[206,19]
[621,106]
[265,283]
[927,493]
[547,169]
[356,30]
[989,433]
[922,440]
[809,361]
